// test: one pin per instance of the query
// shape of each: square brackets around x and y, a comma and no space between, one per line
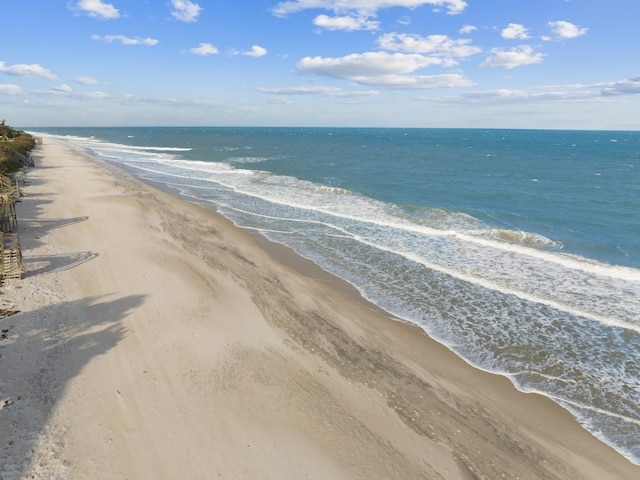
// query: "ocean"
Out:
[517,249]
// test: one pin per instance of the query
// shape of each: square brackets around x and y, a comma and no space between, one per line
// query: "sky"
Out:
[556,64]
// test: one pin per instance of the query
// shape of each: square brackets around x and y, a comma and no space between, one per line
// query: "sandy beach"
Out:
[155,340]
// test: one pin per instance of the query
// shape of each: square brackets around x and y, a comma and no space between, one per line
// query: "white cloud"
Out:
[515,57]
[515,31]
[279,101]
[125,40]
[64,88]
[67,92]
[302,90]
[185,11]
[86,80]
[418,81]
[95,95]
[623,87]
[24,70]
[204,49]
[256,51]
[551,93]
[562,29]
[129,99]
[521,96]
[468,29]
[365,64]
[10,89]
[366,7]
[97,9]
[381,69]
[434,44]
[317,90]
[346,23]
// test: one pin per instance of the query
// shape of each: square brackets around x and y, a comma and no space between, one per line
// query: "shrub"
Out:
[15,145]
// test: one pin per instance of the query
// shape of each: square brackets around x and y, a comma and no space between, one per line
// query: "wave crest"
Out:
[523,238]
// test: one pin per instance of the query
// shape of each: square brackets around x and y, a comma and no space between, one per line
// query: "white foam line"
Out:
[160,149]
[72,138]
[174,175]
[623,273]
[262,230]
[150,157]
[461,276]
[504,290]
[200,166]
[209,188]
[346,233]
[618,272]
[591,408]
[548,377]
[120,147]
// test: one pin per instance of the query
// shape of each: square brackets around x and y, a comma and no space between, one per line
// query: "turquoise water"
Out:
[518,249]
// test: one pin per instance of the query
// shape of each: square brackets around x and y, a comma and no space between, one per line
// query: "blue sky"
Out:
[568,64]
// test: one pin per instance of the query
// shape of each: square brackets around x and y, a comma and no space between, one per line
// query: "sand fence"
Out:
[10,252]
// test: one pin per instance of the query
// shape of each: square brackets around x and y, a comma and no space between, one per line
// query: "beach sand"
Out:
[155,340]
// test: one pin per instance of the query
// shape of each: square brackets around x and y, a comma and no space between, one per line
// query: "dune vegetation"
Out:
[15,148]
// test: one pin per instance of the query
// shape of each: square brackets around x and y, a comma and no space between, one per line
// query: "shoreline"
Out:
[255,355]
[288,257]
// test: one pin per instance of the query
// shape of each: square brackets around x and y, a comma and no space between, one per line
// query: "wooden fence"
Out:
[10,256]
[10,251]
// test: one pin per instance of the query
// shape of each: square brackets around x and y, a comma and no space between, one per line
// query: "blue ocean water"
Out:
[518,249]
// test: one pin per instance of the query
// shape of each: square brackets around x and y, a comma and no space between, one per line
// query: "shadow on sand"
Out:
[40,353]
[38,264]
[32,229]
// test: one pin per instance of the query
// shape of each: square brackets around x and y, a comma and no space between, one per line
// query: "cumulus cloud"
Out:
[185,11]
[468,29]
[24,70]
[515,31]
[204,49]
[96,9]
[64,88]
[86,80]
[256,51]
[562,29]
[364,7]
[125,40]
[10,89]
[515,57]
[381,69]
[365,64]
[440,45]
[345,23]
